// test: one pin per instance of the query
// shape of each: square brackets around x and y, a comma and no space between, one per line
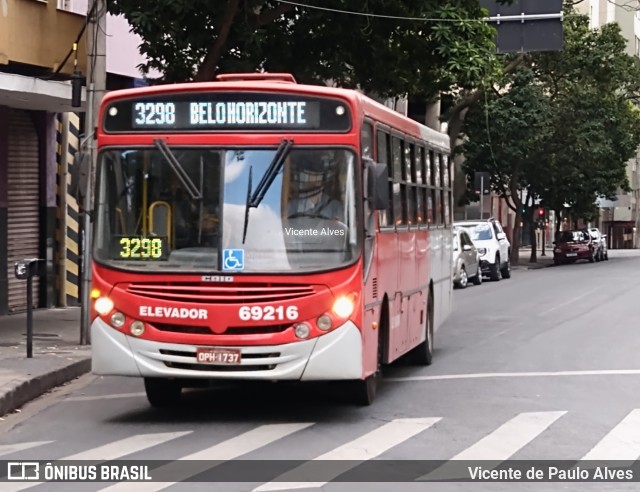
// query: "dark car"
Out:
[571,246]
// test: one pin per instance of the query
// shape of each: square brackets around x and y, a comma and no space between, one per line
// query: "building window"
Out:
[79,7]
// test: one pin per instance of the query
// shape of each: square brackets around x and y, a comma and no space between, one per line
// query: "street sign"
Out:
[526,25]
[482,182]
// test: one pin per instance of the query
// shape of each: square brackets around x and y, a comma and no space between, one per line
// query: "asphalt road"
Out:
[542,366]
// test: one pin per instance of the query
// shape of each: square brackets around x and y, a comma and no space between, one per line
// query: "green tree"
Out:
[196,39]
[589,131]
[501,132]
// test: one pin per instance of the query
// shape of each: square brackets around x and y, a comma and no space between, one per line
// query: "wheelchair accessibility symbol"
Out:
[233,259]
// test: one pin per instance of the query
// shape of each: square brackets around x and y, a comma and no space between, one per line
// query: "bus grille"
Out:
[203,293]
[213,368]
[231,330]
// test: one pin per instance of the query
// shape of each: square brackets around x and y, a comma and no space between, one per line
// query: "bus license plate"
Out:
[218,356]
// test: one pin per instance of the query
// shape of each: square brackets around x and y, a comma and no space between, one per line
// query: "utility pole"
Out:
[481,197]
[96,88]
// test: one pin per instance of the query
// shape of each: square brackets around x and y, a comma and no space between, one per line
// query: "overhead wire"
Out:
[74,46]
[386,16]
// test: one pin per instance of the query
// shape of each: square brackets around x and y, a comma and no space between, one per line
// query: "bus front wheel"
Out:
[162,392]
[363,391]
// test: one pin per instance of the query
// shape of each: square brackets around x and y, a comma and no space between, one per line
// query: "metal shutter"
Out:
[23,204]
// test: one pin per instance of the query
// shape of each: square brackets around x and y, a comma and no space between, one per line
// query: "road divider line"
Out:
[570,301]
[350,455]
[621,443]
[204,460]
[499,445]
[487,375]
[111,451]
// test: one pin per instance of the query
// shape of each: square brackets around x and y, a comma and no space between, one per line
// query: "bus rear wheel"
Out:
[423,353]
[162,392]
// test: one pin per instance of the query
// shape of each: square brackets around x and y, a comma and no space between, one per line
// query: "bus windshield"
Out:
[186,209]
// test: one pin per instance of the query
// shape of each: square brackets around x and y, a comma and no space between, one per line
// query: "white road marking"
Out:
[486,375]
[570,301]
[112,451]
[621,443]
[498,446]
[21,446]
[346,457]
[224,451]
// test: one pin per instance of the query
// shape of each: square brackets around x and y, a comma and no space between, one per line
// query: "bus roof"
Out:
[282,83]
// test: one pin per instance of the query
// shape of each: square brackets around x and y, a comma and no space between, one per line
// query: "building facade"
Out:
[619,218]
[42,43]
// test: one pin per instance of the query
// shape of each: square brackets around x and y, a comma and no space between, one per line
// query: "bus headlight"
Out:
[103,305]
[302,330]
[117,319]
[324,322]
[137,328]
[343,307]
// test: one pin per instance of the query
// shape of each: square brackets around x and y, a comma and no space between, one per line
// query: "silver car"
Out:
[466,261]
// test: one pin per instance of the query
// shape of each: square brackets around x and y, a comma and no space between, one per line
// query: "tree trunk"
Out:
[209,65]
[532,236]
[515,240]
[432,117]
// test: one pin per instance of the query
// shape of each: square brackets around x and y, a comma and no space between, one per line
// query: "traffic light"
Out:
[541,213]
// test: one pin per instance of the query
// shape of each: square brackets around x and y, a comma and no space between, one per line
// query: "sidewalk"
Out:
[57,355]
[543,261]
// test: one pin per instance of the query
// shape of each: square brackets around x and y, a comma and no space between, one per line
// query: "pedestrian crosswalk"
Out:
[365,441]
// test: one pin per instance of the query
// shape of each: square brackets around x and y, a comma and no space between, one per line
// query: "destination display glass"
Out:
[226,111]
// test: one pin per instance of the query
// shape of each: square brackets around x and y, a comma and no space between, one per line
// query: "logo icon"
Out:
[23,470]
[233,259]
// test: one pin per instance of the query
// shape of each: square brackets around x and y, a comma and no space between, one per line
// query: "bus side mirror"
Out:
[377,185]
[79,178]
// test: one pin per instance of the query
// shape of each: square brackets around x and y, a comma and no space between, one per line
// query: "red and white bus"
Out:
[256,228]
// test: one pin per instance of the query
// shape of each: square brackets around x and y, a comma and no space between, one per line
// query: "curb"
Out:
[528,267]
[25,391]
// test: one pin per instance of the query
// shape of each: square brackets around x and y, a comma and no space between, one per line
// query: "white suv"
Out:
[493,246]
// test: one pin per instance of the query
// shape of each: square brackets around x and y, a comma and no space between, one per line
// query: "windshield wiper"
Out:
[246,207]
[178,169]
[254,199]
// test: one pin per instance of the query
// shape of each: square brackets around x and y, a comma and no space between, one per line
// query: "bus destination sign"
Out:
[237,111]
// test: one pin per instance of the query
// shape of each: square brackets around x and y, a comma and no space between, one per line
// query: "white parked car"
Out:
[493,246]
[466,260]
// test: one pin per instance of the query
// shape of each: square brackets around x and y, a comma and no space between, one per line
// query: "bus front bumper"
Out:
[334,356]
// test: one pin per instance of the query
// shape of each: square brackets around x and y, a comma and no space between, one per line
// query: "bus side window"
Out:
[409,180]
[448,192]
[396,155]
[366,143]
[418,184]
[437,167]
[383,150]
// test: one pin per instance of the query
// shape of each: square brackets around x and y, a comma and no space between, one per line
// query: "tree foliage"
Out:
[195,39]
[562,127]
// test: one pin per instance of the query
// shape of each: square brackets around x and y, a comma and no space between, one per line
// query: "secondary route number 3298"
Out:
[268,313]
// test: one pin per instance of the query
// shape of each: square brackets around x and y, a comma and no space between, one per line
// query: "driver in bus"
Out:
[315,188]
